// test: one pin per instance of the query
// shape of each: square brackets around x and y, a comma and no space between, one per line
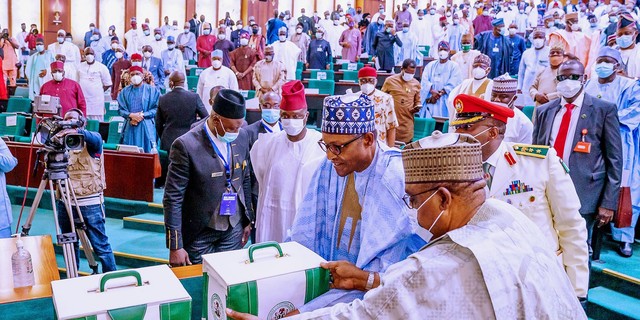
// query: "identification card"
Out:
[322,76]
[584,147]
[320,49]
[228,204]
[495,49]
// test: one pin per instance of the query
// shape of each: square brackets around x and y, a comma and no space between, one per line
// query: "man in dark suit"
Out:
[585,132]
[207,199]
[235,34]
[153,65]
[194,25]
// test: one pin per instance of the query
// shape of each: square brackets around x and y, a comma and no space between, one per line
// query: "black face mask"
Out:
[359,11]
[255,31]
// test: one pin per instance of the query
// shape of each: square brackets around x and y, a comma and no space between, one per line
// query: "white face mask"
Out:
[147,54]
[136,80]
[512,31]
[186,31]
[239,27]
[318,35]
[292,127]
[407,76]
[538,43]
[136,63]
[367,88]
[119,54]
[299,31]
[443,54]
[206,32]
[478,73]
[216,64]
[569,88]
[244,42]
[57,76]
[424,234]
[114,46]
[222,36]
[90,58]
[282,38]
[60,40]
[171,46]
[575,27]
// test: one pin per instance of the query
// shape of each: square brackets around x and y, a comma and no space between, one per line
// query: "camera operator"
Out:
[86,173]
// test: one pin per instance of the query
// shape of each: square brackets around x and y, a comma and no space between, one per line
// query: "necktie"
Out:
[146,65]
[486,167]
[350,209]
[561,139]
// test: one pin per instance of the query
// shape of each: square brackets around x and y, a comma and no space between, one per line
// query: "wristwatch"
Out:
[372,277]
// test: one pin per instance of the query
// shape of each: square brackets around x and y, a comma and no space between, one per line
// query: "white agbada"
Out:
[332,35]
[92,78]
[472,87]
[158,46]
[172,61]
[69,50]
[519,128]
[422,29]
[287,52]
[134,41]
[532,63]
[277,164]
[496,267]
[210,78]
[631,59]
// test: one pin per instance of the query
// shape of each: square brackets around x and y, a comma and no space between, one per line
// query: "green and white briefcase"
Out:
[136,294]
[254,281]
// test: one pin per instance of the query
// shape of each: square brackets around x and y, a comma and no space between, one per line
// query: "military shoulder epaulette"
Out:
[531,150]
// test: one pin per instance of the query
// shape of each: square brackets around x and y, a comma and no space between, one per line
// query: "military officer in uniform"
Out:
[531,178]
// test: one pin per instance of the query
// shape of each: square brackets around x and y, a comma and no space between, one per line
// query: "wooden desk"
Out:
[119,167]
[44,267]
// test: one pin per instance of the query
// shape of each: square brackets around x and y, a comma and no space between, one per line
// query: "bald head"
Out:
[570,67]
[269,100]
[176,79]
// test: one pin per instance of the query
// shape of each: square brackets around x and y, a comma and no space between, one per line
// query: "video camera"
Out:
[49,127]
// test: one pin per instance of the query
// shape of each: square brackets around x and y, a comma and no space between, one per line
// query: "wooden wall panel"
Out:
[262,11]
[48,10]
[190,8]
[130,12]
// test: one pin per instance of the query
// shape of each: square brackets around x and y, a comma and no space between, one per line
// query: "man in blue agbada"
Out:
[625,93]
[138,104]
[353,209]
[438,80]
[497,46]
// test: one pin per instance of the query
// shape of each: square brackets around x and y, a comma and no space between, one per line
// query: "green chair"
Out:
[423,127]
[26,138]
[116,128]
[445,127]
[299,74]
[300,65]
[323,86]
[322,75]
[352,66]
[93,125]
[195,72]
[192,82]
[193,62]
[528,111]
[12,125]
[22,92]
[424,50]
[111,110]
[17,104]
[248,94]
[350,75]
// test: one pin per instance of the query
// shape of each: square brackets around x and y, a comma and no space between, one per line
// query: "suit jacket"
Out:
[157,70]
[194,26]
[596,175]
[253,130]
[177,111]
[195,183]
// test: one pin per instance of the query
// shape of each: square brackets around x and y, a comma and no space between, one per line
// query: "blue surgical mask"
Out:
[271,115]
[625,41]
[405,30]
[604,69]
[228,137]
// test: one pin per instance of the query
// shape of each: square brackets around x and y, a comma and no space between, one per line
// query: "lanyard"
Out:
[266,127]
[225,162]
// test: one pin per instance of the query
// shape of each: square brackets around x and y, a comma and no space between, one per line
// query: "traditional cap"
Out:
[591,16]
[505,84]
[483,59]
[136,68]
[216,53]
[293,97]
[133,19]
[206,25]
[611,53]
[442,18]
[612,39]
[367,72]
[145,26]
[136,56]
[572,15]
[471,109]
[115,38]
[548,16]
[497,22]
[171,39]
[557,46]
[626,20]
[282,29]
[57,65]
[443,157]
[356,117]
[40,38]
[229,104]
[445,45]
[157,30]
[112,27]
[61,31]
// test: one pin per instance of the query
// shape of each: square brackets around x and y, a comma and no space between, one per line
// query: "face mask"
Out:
[407,76]
[336,22]
[136,63]
[186,31]
[380,21]
[60,40]
[432,11]
[271,115]
[244,42]
[57,76]
[171,46]
[503,31]
[136,80]
[326,17]
[147,54]
[216,64]
[478,73]
[255,31]
[90,58]
[239,27]
[593,24]
[367,88]
[558,21]
[40,47]
[228,137]
[318,35]
[424,234]
[206,32]
[485,13]
[292,127]
[158,37]
[222,36]
[119,55]
[420,17]
[512,31]
[114,46]
[387,30]
[569,88]
[466,47]
[282,38]
[381,11]
[538,43]
[443,54]
[456,21]
[146,32]
[549,24]
[604,69]
[269,58]
[92,28]
[68,40]
[575,27]
[521,11]
[480,133]
[625,41]
[94,37]
[448,15]
[299,31]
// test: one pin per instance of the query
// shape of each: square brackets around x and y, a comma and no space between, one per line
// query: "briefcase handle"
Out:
[264,245]
[120,274]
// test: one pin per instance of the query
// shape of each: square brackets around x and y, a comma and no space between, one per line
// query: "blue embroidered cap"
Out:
[355,117]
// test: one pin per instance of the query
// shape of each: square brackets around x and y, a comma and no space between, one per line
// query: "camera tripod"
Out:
[57,175]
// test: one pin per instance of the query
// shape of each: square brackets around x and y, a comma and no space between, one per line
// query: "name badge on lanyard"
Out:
[228,204]
[320,49]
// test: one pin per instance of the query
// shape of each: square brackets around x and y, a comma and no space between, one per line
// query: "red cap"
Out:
[136,68]
[367,72]
[293,97]
[471,109]
[443,18]
[136,56]
[57,65]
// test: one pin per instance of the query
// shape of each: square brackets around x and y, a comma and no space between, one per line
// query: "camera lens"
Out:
[74,141]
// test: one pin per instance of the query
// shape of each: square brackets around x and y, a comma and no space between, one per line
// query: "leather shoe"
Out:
[625,249]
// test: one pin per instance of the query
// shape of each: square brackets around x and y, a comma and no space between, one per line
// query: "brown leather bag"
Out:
[622,218]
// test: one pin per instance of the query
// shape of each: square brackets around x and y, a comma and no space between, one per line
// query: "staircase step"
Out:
[146,221]
[620,306]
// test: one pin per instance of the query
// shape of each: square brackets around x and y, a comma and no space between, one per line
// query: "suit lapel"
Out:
[551,115]
[503,173]
[583,122]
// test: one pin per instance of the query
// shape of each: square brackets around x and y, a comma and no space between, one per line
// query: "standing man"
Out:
[403,16]
[538,184]
[7,163]
[207,202]
[596,166]
[121,65]
[24,48]
[89,34]
[216,75]
[534,61]
[36,68]
[186,43]
[204,46]
[572,39]
[518,46]
[627,34]
[405,90]
[544,88]
[153,65]
[483,22]
[109,56]
[243,60]
[519,128]
[94,79]
[279,161]
[194,25]
[138,104]
[257,40]
[409,49]
[438,79]
[351,40]
[69,91]
[302,40]
[465,58]
[133,38]
[67,49]
[375,27]
[498,47]
[99,44]
[274,25]
[478,85]
[10,59]
[287,53]
[319,54]
[235,34]
[386,120]
[224,45]
[171,60]
[268,75]
[158,44]
[383,46]
[308,25]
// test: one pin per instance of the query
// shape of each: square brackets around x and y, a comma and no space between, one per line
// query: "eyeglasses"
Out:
[408,199]
[336,149]
[561,78]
